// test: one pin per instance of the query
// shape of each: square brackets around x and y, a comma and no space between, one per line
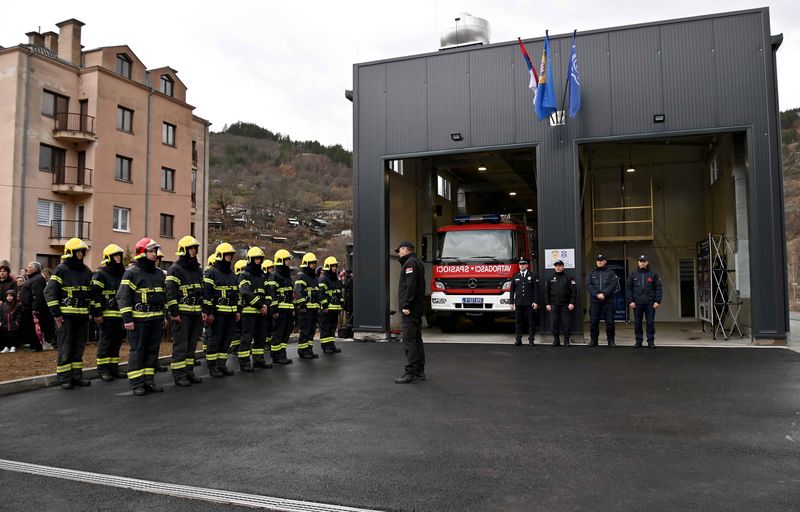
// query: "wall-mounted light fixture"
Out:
[456,137]
[512,194]
[482,168]
[659,118]
[529,210]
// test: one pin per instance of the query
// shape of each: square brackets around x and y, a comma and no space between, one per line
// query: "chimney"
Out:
[51,41]
[35,39]
[69,48]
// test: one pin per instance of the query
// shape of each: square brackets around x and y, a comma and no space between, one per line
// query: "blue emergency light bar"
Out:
[488,217]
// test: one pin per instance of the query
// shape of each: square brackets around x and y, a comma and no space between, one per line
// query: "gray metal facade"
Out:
[713,73]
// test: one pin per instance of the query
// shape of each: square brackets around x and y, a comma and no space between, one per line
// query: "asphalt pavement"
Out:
[495,427]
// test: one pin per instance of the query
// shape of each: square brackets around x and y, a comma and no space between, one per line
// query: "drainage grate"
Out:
[179,491]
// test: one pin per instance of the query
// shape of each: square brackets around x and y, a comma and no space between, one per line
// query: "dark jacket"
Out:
[184,287]
[252,288]
[5,286]
[105,284]
[331,288]
[32,296]
[69,290]
[141,293]
[602,280]
[221,290]
[411,293]
[10,318]
[525,292]
[560,290]
[306,290]
[643,287]
[279,289]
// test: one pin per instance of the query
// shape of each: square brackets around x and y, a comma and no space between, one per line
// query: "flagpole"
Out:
[566,82]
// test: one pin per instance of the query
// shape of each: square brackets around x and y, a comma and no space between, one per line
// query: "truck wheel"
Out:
[448,323]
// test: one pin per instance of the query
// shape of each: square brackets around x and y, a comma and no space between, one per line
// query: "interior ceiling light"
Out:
[482,168]
[630,168]
[529,210]
[512,193]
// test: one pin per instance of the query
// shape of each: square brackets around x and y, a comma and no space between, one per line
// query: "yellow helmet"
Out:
[72,245]
[109,251]
[239,266]
[329,262]
[267,265]
[186,242]
[211,259]
[223,249]
[308,258]
[282,256]
[255,252]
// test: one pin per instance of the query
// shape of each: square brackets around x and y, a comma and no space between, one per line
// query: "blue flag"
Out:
[544,102]
[574,81]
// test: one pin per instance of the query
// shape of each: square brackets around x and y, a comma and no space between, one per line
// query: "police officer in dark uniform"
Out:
[524,301]
[141,301]
[643,293]
[222,309]
[68,295]
[411,294]
[561,294]
[602,284]
[105,312]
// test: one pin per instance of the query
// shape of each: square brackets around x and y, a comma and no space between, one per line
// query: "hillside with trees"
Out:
[790,138]
[273,192]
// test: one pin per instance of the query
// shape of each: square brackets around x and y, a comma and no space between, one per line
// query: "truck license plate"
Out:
[472,300]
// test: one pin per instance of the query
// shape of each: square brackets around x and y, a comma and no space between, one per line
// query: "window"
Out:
[167,222]
[124,119]
[443,187]
[122,219]
[191,229]
[123,170]
[50,261]
[166,85]
[168,179]
[48,212]
[396,166]
[51,158]
[194,189]
[124,65]
[168,134]
[53,103]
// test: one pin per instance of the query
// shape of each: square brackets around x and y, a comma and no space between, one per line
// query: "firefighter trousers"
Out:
[307,320]
[254,336]
[327,327]
[222,332]
[71,344]
[145,340]
[111,335]
[281,330]
[184,344]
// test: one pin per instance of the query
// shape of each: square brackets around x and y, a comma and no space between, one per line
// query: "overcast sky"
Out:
[286,64]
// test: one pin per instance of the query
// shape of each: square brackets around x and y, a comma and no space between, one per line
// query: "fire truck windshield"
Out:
[495,244]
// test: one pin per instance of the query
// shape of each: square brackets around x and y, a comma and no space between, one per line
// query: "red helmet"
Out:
[144,245]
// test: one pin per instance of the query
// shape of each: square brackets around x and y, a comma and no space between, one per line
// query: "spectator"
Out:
[7,283]
[33,302]
[9,322]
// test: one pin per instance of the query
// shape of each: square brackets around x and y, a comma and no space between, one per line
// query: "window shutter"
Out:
[43,212]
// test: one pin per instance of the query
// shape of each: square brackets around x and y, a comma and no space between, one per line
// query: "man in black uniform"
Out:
[602,284]
[105,312]
[524,301]
[255,309]
[330,287]
[184,291]
[411,299]
[68,294]
[222,309]
[141,301]
[560,296]
[308,302]
[643,293]
[282,309]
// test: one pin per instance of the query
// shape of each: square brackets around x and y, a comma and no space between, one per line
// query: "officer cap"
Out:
[642,257]
[600,257]
[558,262]
[522,260]
[405,243]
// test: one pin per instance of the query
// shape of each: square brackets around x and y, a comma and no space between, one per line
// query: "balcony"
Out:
[72,127]
[72,180]
[62,230]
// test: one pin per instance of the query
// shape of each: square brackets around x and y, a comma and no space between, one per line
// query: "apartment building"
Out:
[95,145]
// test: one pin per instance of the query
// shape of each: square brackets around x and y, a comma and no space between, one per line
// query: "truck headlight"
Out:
[507,286]
[505,301]
[438,285]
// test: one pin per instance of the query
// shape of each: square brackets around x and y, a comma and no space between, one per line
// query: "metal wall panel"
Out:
[448,100]
[635,80]
[594,63]
[491,78]
[739,58]
[687,55]
[406,107]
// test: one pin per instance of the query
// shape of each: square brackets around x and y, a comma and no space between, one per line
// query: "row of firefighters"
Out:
[257,296]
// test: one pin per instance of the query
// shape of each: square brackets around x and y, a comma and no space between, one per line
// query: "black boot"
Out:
[183,382]
[333,346]
[556,341]
[194,379]
[106,377]
[304,353]
[531,341]
[566,341]
[260,363]
[517,342]
[593,343]
[67,384]
[611,344]
[215,372]
[225,371]
[81,382]
[139,391]
[152,388]
[246,367]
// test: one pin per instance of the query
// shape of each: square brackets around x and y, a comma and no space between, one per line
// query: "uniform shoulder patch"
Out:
[410,270]
[572,281]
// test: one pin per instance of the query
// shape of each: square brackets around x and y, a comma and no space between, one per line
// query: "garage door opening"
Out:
[682,202]
[472,216]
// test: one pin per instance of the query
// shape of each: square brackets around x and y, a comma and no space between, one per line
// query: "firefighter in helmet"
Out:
[184,290]
[221,308]
[141,300]
[282,308]
[255,309]
[68,295]
[307,300]
[267,267]
[331,288]
[207,328]
[237,332]
[105,312]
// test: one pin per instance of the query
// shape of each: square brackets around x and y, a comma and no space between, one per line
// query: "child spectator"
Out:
[9,322]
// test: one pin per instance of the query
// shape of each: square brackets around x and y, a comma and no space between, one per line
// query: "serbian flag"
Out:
[534,77]
[544,102]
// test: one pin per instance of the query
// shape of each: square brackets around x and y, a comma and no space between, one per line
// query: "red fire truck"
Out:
[473,262]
